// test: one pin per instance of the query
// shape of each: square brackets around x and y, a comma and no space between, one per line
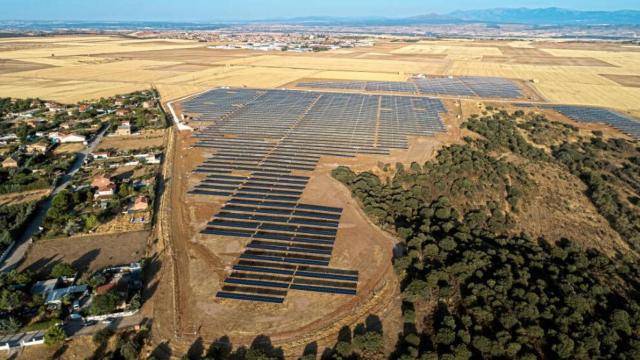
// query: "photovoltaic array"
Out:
[473,86]
[266,142]
[587,114]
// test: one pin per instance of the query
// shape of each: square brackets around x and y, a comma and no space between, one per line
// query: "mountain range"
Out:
[544,16]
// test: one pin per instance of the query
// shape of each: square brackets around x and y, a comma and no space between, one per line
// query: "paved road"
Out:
[23,243]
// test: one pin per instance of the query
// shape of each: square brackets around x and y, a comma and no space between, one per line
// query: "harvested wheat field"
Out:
[73,68]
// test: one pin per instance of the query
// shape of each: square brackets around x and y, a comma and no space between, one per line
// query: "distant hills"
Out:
[545,16]
[549,16]
[552,16]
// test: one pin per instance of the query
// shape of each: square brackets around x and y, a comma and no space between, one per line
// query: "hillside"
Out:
[490,270]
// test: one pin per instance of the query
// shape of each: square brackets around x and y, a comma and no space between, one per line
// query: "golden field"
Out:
[74,68]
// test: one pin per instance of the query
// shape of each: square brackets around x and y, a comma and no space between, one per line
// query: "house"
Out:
[124,129]
[39,147]
[103,155]
[122,112]
[9,138]
[45,287]
[141,203]
[106,187]
[10,163]
[148,158]
[53,107]
[119,102]
[84,107]
[148,104]
[63,138]
[57,295]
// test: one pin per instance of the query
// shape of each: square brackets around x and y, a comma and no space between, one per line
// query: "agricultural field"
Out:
[69,69]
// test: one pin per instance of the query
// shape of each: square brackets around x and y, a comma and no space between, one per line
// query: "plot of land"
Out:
[21,197]
[69,148]
[625,80]
[91,252]
[147,139]
[11,66]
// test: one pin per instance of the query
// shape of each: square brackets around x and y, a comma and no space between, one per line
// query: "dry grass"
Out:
[22,197]
[88,251]
[133,142]
[88,67]
[68,148]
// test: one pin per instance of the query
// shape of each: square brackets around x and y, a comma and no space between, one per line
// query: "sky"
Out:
[225,10]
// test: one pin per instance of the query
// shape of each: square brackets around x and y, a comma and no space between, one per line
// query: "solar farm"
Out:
[467,86]
[266,145]
[591,115]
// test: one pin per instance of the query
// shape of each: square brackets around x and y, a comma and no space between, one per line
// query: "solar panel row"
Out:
[453,86]
[273,136]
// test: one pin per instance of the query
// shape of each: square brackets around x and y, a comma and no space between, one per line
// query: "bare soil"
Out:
[11,66]
[148,139]
[547,60]
[90,252]
[624,80]
[22,197]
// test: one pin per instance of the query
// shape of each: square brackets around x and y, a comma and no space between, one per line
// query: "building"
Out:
[124,129]
[103,155]
[122,112]
[10,163]
[57,295]
[39,147]
[148,104]
[106,188]
[63,138]
[45,287]
[141,203]
[84,107]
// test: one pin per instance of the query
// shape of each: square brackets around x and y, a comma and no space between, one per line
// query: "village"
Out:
[114,186]
[91,169]
[66,298]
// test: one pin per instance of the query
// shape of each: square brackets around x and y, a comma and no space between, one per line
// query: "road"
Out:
[23,243]
[78,328]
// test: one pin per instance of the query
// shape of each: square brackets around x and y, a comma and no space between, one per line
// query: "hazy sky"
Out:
[209,10]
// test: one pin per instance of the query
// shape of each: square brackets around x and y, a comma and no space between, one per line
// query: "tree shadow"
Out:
[196,350]
[220,349]
[61,350]
[83,263]
[162,351]
[42,267]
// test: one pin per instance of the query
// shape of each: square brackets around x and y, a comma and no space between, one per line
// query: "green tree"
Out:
[54,335]
[62,269]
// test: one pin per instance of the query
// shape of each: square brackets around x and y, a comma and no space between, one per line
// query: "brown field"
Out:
[68,148]
[624,80]
[146,139]
[85,67]
[87,251]
[22,197]
[11,66]
[546,60]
